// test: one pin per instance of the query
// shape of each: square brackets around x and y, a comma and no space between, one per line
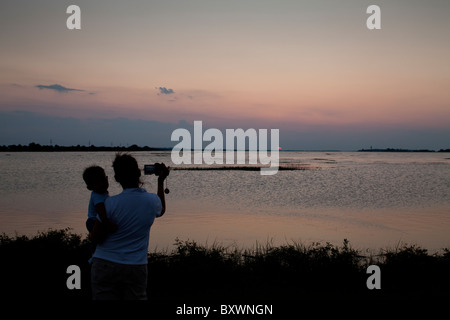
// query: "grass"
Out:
[35,268]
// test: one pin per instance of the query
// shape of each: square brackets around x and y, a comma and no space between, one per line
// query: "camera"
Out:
[152,169]
[155,169]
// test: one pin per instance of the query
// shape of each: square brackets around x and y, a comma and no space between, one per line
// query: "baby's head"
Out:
[96,179]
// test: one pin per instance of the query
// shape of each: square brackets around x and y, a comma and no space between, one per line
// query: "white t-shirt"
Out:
[96,198]
[133,210]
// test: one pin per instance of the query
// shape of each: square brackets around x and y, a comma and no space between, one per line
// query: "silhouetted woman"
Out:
[119,268]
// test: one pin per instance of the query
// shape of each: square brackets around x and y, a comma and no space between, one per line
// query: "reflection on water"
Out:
[373,199]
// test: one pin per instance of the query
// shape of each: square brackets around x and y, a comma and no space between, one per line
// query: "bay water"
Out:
[375,200]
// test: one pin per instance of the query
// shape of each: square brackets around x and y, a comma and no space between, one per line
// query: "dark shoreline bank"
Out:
[35,268]
[402,150]
[33,147]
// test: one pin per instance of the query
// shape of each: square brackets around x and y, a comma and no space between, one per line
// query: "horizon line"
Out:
[32,146]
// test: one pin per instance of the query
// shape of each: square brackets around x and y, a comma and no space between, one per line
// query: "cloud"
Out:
[57,87]
[164,90]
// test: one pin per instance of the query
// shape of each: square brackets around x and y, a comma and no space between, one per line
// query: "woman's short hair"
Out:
[126,169]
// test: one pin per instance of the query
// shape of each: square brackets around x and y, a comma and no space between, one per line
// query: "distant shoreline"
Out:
[35,147]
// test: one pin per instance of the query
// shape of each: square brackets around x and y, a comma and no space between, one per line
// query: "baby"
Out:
[97,182]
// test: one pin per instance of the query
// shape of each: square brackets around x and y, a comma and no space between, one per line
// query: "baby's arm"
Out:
[101,211]
[97,235]
[103,226]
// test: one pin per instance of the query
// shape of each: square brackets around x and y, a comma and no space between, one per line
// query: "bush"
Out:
[35,268]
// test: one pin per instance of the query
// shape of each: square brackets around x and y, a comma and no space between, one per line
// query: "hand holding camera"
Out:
[160,170]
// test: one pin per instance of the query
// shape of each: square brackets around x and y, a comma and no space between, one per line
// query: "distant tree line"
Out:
[50,148]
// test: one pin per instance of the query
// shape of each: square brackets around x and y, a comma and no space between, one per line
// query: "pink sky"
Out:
[273,63]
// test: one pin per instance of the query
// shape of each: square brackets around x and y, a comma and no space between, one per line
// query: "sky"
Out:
[139,69]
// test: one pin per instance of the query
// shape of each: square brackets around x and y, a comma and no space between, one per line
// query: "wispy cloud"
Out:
[57,87]
[164,90]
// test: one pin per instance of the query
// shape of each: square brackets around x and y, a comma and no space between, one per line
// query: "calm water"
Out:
[373,199]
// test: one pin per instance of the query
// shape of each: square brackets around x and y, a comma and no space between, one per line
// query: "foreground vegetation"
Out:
[35,268]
